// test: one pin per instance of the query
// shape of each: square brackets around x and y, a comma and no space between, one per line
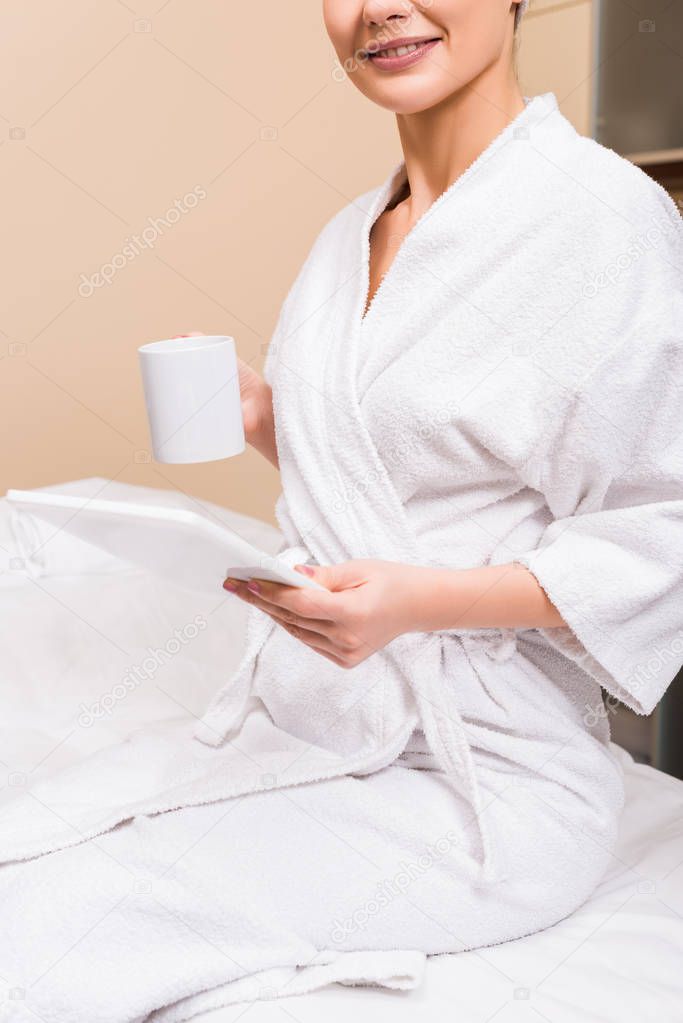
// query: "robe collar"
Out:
[536,109]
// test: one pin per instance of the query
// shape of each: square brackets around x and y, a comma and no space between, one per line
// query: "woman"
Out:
[471,396]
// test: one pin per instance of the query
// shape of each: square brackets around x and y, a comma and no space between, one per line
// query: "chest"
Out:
[386,237]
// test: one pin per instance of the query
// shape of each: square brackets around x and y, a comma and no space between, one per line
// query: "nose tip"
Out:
[379,12]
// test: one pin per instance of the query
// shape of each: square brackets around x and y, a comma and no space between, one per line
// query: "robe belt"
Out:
[438,706]
[439,710]
[437,703]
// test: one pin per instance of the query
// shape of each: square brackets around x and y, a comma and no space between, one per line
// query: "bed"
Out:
[77,623]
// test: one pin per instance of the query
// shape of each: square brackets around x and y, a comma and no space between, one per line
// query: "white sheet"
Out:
[617,958]
[70,638]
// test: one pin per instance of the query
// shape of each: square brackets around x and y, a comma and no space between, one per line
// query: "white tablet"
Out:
[178,544]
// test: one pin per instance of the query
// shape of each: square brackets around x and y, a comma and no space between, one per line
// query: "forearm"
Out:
[495,596]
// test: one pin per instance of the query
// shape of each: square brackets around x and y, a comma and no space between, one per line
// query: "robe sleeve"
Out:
[611,473]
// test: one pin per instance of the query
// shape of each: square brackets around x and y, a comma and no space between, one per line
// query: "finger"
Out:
[306,634]
[344,641]
[321,642]
[331,657]
[240,588]
[305,602]
[313,640]
[343,576]
[321,625]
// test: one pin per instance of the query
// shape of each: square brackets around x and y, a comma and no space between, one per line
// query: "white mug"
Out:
[193,402]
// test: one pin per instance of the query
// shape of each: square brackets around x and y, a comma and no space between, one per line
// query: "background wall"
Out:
[113,112]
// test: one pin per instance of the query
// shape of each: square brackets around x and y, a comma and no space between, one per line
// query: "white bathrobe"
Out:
[513,394]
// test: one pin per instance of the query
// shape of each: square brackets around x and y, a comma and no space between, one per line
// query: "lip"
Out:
[425,44]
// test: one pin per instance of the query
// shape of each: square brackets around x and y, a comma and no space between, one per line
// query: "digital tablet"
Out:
[175,543]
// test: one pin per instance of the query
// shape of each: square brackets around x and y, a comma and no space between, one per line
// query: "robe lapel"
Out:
[345,505]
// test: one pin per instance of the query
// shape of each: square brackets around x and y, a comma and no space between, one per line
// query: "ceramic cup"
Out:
[193,402]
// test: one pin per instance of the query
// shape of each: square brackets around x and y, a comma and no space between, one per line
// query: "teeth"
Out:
[399,51]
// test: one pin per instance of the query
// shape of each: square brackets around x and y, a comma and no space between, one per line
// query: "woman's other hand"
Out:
[369,603]
[257,407]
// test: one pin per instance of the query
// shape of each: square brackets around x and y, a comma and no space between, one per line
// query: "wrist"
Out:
[262,423]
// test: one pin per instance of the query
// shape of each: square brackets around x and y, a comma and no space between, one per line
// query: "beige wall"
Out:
[111,112]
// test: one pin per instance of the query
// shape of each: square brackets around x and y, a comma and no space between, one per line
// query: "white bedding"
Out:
[68,640]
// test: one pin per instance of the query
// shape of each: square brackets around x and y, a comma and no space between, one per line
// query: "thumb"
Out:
[332,577]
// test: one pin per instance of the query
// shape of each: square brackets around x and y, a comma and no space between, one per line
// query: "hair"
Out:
[520,9]
[516,37]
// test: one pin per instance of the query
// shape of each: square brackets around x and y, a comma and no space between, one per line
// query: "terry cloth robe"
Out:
[512,394]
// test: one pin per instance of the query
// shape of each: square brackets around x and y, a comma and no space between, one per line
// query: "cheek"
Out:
[341,18]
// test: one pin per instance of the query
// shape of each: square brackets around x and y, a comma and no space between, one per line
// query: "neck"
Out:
[440,143]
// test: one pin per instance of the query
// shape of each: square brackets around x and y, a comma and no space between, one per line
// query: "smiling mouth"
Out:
[402,53]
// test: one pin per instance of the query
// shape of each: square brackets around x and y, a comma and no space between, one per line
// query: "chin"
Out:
[409,96]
